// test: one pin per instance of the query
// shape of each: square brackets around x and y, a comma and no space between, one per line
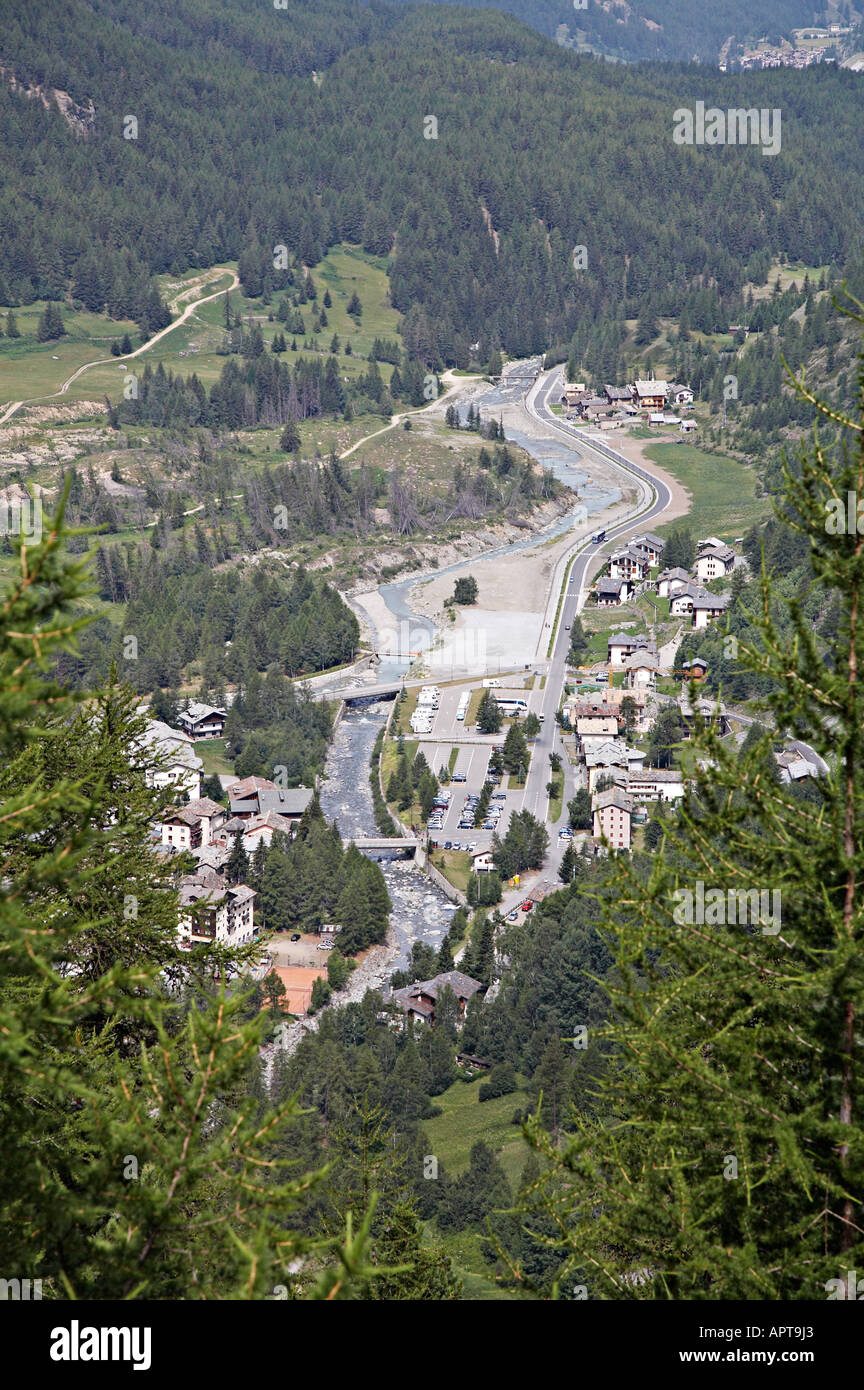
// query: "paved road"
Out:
[655,498]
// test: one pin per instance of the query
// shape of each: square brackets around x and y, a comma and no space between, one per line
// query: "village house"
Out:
[202,721]
[630,562]
[213,856]
[602,757]
[679,395]
[793,767]
[176,762]
[671,581]
[418,1001]
[613,811]
[254,796]
[687,427]
[194,825]
[572,395]
[651,544]
[621,644]
[593,408]
[618,395]
[651,783]
[707,608]
[714,562]
[641,667]
[227,913]
[695,669]
[482,861]
[713,712]
[593,726]
[263,827]
[649,395]
[594,708]
[611,593]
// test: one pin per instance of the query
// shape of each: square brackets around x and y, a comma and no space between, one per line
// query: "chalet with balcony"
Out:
[649,395]
[223,913]
[418,1001]
[202,721]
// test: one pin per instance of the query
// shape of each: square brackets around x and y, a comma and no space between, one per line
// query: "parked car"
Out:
[511,916]
[448,844]
[499,796]
[565,834]
[488,825]
[295,936]
[527,905]
[457,844]
[460,777]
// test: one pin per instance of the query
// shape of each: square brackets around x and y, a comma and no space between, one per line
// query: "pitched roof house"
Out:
[227,912]
[714,562]
[650,395]
[169,758]
[641,667]
[708,607]
[671,581]
[193,825]
[621,644]
[630,562]
[418,1000]
[611,593]
[202,721]
[654,545]
[613,810]
[255,796]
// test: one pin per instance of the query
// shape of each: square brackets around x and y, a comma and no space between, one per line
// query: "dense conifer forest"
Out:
[535,151]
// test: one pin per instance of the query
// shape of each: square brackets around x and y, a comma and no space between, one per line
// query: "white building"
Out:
[714,562]
[194,825]
[671,581]
[169,759]
[227,914]
[202,721]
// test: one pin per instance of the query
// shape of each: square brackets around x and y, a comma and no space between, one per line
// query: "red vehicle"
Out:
[527,905]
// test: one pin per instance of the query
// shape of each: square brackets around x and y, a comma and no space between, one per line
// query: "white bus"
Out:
[514,708]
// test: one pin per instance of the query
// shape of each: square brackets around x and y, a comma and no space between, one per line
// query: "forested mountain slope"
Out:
[258,126]
[657,29]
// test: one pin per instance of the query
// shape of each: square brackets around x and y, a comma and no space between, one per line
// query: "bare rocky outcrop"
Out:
[79,116]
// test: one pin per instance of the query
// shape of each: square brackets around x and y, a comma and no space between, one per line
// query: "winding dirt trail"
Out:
[217,273]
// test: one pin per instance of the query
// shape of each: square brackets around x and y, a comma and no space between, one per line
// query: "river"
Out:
[421,912]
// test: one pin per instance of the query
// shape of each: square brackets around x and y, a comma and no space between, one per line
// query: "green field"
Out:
[212,753]
[723,491]
[465,1120]
[29,369]
[454,864]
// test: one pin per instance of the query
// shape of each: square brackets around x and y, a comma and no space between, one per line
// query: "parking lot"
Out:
[452,821]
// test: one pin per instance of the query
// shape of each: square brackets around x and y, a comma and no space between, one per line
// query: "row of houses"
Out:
[257,809]
[635,399]
[630,567]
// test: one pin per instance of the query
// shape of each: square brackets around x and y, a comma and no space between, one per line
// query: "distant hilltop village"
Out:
[815,44]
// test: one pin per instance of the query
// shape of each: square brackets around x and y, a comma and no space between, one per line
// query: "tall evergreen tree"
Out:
[733,1165]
